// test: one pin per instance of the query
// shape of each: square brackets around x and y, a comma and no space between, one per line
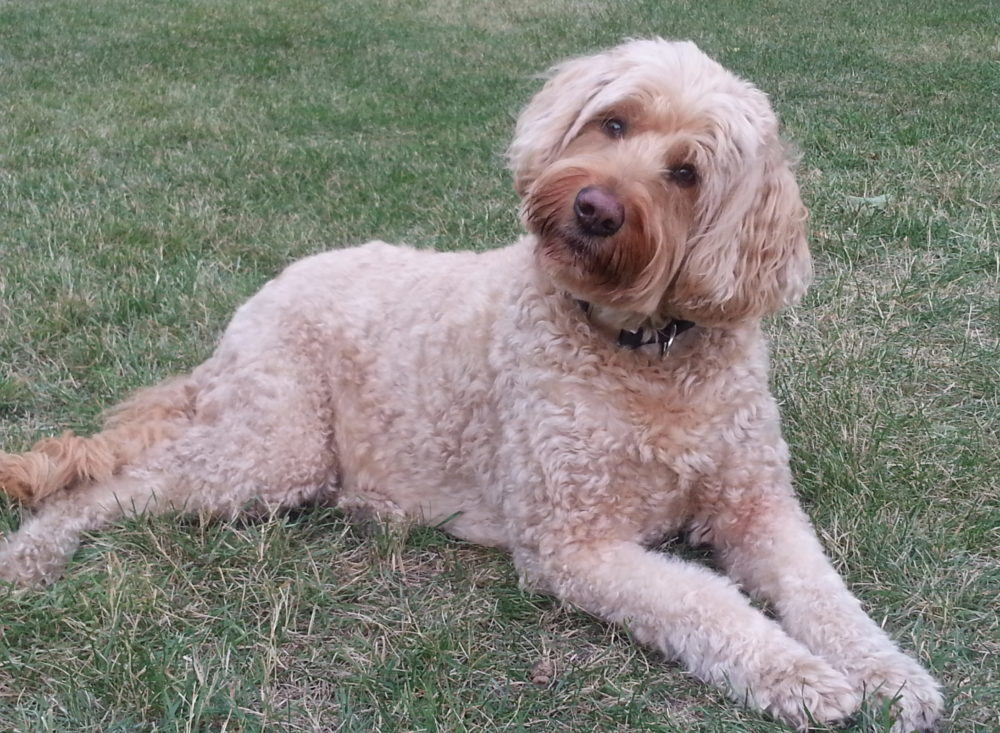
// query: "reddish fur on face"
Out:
[630,268]
[727,249]
[600,264]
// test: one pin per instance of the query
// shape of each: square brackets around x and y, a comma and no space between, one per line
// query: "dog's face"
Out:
[656,183]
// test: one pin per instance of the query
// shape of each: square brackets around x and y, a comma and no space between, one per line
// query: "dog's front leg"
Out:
[766,543]
[700,618]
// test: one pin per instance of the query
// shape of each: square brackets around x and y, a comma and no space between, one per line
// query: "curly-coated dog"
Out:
[573,398]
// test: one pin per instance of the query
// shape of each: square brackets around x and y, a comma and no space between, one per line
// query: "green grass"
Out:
[160,160]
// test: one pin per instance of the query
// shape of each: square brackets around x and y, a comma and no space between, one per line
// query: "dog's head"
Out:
[656,183]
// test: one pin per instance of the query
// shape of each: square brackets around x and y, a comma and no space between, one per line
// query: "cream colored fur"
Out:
[473,391]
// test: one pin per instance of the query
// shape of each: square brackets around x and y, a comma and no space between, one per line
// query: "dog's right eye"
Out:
[613,128]
[684,176]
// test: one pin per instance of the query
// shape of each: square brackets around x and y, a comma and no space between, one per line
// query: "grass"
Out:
[160,160]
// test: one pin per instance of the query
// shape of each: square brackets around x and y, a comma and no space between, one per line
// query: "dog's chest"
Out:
[670,422]
[668,448]
[629,456]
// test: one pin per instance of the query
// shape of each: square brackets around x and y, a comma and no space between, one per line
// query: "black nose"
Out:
[598,211]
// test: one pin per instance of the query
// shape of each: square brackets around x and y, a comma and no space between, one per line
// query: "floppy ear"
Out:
[774,268]
[551,118]
[753,258]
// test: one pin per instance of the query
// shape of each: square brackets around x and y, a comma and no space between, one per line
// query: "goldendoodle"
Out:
[573,398]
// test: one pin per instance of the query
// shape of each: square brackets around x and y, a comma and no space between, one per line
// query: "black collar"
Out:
[663,337]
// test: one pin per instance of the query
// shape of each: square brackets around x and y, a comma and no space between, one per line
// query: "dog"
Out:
[573,398]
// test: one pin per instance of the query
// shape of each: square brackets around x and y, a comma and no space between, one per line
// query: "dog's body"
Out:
[490,394]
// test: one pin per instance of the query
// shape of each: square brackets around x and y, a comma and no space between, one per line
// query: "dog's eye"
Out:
[613,127]
[684,176]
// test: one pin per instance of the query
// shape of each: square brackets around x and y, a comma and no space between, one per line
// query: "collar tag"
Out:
[663,337]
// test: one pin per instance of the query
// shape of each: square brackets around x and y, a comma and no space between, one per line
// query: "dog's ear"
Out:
[552,117]
[774,268]
[752,258]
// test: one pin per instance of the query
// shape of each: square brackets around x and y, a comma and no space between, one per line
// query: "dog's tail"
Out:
[150,416]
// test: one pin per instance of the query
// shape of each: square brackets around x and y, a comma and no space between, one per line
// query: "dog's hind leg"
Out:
[37,551]
[256,440]
[150,416]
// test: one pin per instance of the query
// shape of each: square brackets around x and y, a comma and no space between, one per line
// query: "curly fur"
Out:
[473,391]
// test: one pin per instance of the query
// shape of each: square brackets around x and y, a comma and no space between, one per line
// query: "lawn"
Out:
[160,160]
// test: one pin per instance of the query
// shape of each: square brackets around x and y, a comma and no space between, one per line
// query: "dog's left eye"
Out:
[613,127]
[684,176]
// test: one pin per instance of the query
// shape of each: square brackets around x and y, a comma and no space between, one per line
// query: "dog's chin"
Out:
[567,255]
[580,265]
[580,249]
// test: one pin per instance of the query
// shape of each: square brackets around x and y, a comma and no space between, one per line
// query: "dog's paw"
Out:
[806,692]
[913,696]
[13,571]
[27,559]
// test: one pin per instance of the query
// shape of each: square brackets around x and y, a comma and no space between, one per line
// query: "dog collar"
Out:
[642,336]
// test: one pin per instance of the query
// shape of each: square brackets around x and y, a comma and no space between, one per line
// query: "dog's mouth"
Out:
[590,259]
[562,235]
[557,236]
[569,246]
[581,246]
